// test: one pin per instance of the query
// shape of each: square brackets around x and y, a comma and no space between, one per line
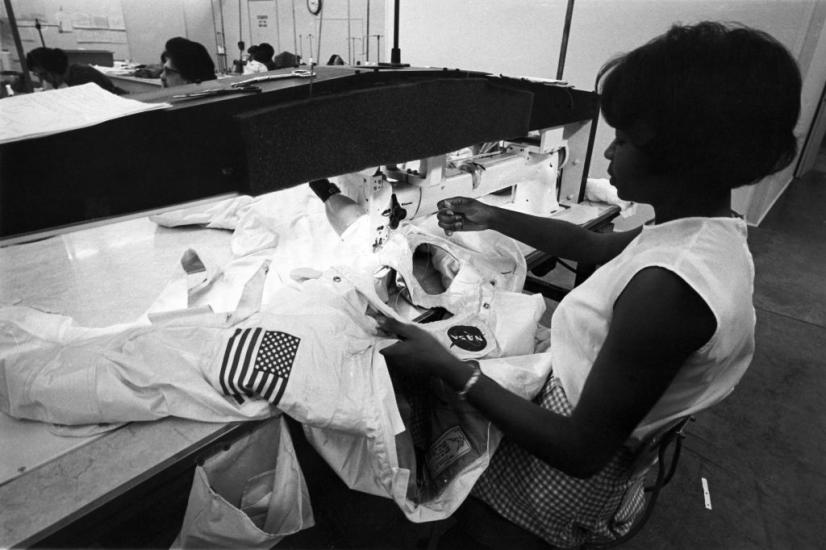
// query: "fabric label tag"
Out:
[450,447]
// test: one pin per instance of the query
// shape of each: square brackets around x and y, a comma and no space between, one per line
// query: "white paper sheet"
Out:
[43,113]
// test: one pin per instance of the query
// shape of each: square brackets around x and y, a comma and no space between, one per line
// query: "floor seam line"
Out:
[787,316]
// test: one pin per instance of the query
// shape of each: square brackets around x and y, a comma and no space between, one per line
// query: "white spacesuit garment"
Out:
[256,341]
[129,371]
[55,371]
[287,227]
[141,373]
[290,229]
[314,353]
[429,465]
[482,275]
[310,351]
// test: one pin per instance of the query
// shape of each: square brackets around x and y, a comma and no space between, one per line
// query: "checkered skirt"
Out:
[563,510]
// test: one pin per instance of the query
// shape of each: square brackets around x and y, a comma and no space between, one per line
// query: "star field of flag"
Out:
[258,362]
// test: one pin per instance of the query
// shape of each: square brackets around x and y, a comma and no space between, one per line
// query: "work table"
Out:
[100,275]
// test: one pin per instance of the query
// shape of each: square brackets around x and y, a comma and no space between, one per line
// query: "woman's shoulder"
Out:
[687,229]
[710,255]
[696,240]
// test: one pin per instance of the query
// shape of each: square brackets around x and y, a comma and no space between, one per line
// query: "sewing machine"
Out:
[521,175]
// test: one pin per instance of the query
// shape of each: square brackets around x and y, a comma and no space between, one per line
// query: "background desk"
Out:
[100,276]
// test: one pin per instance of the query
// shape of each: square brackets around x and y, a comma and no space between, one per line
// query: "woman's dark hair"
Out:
[191,59]
[722,101]
[53,60]
[263,53]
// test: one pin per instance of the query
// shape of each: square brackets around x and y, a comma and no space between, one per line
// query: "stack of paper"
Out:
[44,113]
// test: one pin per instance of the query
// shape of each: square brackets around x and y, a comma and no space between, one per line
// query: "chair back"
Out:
[649,450]
[652,452]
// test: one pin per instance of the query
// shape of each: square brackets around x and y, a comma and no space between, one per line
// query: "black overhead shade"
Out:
[329,135]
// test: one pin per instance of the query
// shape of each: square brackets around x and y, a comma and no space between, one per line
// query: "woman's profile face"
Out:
[170,76]
[47,78]
[630,169]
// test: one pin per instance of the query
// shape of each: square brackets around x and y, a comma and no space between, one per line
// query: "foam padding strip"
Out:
[329,135]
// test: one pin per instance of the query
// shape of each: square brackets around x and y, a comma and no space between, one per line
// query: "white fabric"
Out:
[712,256]
[349,410]
[287,227]
[290,228]
[250,495]
[26,328]
[223,214]
[252,67]
[142,373]
[338,383]
[371,463]
[54,371]
[493,259]
[339,386]
[338,340]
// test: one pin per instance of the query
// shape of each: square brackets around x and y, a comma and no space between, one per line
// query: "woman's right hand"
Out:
[464,214]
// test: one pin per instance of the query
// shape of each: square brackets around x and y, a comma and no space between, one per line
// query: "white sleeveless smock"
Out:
[712,256]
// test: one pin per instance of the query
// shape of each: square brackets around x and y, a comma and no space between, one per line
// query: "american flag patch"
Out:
[258,362]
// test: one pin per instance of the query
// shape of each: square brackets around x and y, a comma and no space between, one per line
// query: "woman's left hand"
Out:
[417,352]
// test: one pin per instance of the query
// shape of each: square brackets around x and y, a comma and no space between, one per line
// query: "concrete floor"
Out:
[762,450]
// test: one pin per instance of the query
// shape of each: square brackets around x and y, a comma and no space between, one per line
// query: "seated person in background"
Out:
[264,54]
[285,60]
[665,327]
[252,65]
[335,59]
[51,65]
[185,62]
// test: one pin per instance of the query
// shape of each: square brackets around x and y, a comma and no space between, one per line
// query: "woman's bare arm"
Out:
[556,237]
[658,322]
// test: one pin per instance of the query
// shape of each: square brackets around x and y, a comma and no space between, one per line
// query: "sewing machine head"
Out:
[518,174]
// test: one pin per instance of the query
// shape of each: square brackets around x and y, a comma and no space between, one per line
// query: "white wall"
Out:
[152,22]
[523,37]
[295,35]
[811,60]
[70,25]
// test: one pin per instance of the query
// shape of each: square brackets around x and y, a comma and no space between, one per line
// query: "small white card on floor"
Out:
[706,494]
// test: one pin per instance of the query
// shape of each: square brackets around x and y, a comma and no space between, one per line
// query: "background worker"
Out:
[264,53]
[51,66]
[185,62]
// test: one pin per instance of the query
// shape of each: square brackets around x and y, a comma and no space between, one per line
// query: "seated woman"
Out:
[285,60]
[185,62]
[264,53]
[252,65]
[665,327]
[51,65]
